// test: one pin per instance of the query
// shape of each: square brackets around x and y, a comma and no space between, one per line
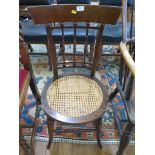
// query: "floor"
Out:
[79,149]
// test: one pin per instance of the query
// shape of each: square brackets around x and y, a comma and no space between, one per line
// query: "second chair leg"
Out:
[125,139]
[98,124]
[50,125]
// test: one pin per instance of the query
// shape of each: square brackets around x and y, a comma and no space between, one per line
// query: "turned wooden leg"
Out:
[50,125]
[113,94]
[125,139]
[98,124]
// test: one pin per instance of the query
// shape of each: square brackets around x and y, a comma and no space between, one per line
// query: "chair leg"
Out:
[98,124]
[25,147]
[33,132]
[125,139]
[50,125]
[22,142]
[28,149]
[35,90]
[113,94]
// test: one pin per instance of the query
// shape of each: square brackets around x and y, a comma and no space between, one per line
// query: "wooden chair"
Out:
[26,80]
[74,98]
[126,88]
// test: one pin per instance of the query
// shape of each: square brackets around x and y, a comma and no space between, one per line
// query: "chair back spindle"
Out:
[63,44]
[74,41]
[86,42]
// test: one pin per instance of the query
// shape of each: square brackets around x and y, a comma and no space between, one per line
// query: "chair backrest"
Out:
[35,2]
[114,2]
[60,14]
[73,1]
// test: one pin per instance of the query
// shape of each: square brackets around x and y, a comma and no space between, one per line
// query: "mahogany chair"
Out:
[126,88]
[26,80]
[74,98]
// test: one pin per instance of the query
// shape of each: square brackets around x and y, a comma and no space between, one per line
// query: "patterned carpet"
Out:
[107,72]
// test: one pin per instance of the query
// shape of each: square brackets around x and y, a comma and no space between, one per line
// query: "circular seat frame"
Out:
[70,119]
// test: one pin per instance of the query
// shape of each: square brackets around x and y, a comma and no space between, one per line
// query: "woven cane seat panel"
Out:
[74,96]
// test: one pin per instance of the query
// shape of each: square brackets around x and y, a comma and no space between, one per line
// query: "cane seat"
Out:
[75,96]
[68,96]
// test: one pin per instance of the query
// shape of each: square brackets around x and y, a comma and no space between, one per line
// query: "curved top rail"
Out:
[74,13]
[127,57]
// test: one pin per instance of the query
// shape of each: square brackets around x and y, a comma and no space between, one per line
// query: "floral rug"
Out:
[107,72]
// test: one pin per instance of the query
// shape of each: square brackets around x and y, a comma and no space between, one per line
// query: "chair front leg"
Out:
[50,125]
[98,124]
[125,139]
